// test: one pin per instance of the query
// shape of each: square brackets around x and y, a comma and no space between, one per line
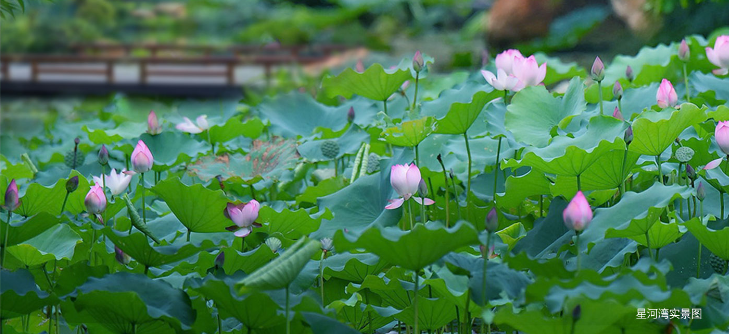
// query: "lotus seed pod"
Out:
[72,184]
[373,163]
[684,154]
[77,140]
[718,264]
[274,244]
[79,158]
[330,149]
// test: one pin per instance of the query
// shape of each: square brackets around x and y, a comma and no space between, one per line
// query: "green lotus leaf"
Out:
[433,313]
[39,199]
[534,112]
[255,310]
[512,234]
[410,133]
[21,295]
[501,281]
[126,130]
[137,246]
[413,249]
[573,156]
[518,188]
[720,114]
[461,116]
[325,187]
[290,224]
[349,143]
[388,287]
[144,301]
[374,83]
[714,240]
[53,244]
[353,267]
[11,171]
[248,261]
[283,270]
[235,127]
[654,131]
[660,235]
[325,325]
[27,228]
[198,208]
[707,82]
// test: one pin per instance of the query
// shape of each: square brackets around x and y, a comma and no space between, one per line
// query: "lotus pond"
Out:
[535,196]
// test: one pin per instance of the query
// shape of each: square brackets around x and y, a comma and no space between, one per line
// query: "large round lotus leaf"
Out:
[440,106]
[707,82]
[518,188]
[38,198]
[144,300]
[20,294]
[137,246]
[461,116]
[573,156]
[248,261]
[11,171]
[374,83]
[107,136]
[198,208]
[53,244]
[660,235]
[714,240]
[349,143]
[325,325]
[433,313]
[27,228]
[654,131]
[414,249]
[254,310]
[608,172]
[234,127]
[410,133]
[291,224]
[501,281]
[283,270]
[534,112]
[353,267]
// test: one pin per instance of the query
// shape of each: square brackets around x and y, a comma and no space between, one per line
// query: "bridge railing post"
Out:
[143,72]
[34,70]
[109,72]
[4,69]
[230,73]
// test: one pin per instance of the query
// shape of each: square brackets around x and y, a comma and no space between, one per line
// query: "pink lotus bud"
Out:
[711,165]
[95,200]
[721,134]
[153,127]
[691,173]
[422,188]
[700,191]
[418,61]
[350,115]
[617,114]
[629,73]
[492,220]
[76,141]
[244,217]
[666,96]
[598,70]
[578,214]
[628,136]
[529,72]
[719,55]
[142,160]
[505,60]
[103,155]
[683,51]
[12,198]
[120,256]
[359,67]
[220,259]
[618,90]
[503,81]
[72,184]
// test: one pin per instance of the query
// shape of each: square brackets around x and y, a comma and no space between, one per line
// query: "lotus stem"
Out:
[220,322]
[415,96]
[660,172]
[721,193]
[457,196]
[620,105]
[485,266]
[468,188]
[579,183]
[447,194]
[384,103]
[288,322]
[321,276]
[577,245]
[336,167]
[144,203]
[468,313]
[65,199]
[212,147]
[415,302]
[5,243]
[648,242]
[126,161]
[410,212]
[541,206]
[622,171]
[496,167]
[686,82]
[188,234]
[599,94]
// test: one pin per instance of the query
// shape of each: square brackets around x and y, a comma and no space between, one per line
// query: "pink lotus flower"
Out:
[505,60]
[12,198]
[117,183]
[244,217]
[666,96]
[189,127]
[503,81]
[142,160]
[95,200]
[578,214]
[153,127]
[684,53]
[359,67]
[529,72]
[617,114]
[618,90]
[405,179]
[711,165]
[598,70]
[721,133]
[418,61]
[719,55]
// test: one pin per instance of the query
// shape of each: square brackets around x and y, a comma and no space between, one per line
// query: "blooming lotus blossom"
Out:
[405,179]
[719,55]
[117,183]
[505,60]
[666,96]
[529,72]
[189,127]
[503,81]
[244,217]
[95,200]
[711,165]
[153,127]
[142,159]
[721,133]
[12,198]
[578,214]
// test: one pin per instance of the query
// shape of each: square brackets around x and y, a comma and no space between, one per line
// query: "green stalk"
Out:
[415,96]
[686,82]
[384,102]
[410,212]
[288,322]
[321,276]
[63,206]
[212,147]
[660,172]
[620,105]
[144,203]
[457,196]
[485,266]
[220,322]
[599,92]
[622,172]
[496,167]
[242,244]
[415,302]
[447,194]
[721,193]
[648,242]
[579,184]
[188,234]
[468,187]
[577,245]
[5,243]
